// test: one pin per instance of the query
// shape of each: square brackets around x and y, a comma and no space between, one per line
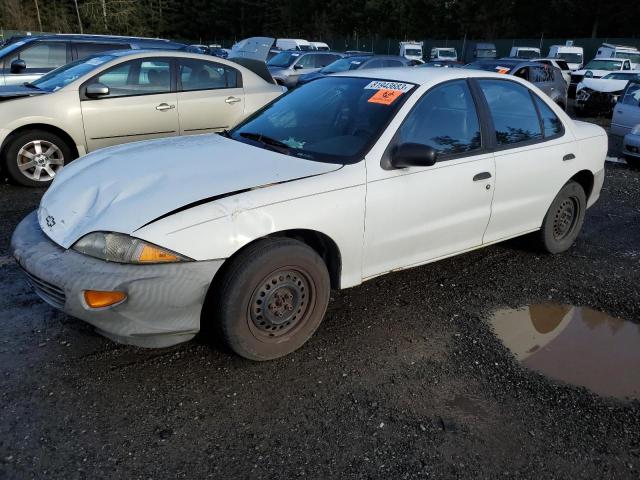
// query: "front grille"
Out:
[50,293]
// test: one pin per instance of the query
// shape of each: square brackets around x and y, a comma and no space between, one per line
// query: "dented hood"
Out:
[123,188]
[604,85]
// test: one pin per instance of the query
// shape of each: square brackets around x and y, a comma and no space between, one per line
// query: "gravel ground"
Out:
[404,379]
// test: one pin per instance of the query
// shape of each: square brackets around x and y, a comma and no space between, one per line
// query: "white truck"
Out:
[411,50]
[573,55]
[608,50]
[524,52]
[293,44]
[444,53]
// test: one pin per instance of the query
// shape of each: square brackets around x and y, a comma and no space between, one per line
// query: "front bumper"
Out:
[163,304]
[631,146]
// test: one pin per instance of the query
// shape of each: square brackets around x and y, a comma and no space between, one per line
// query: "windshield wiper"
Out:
[225,133]
[268,141]
[30,85]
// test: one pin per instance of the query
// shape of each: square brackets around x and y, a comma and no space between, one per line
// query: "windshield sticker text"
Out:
[399,86]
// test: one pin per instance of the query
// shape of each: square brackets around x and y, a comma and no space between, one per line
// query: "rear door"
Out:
[210,96]
[141,103]
[39,57]
[532,150]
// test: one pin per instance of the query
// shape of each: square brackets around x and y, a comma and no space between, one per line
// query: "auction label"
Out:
[385,96]
[398,86]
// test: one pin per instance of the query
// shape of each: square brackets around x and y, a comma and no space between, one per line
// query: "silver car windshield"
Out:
[62,76]
[604,65]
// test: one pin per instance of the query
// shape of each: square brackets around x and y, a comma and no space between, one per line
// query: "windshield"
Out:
[62,76]
[283,59]
[413,52]
[570,57]
[343,65]
[527,54]
[486,53]
[633,56]
[604,65]
[447,54]
[620,76]
[331,120]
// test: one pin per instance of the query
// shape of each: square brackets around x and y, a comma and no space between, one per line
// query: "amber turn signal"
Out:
[98,299]
[151,254]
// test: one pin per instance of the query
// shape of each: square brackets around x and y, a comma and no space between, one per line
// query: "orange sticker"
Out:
[502,70]
[385,96]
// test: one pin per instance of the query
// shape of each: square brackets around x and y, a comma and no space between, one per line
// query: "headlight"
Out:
[588,74]
[120,248]
[636,130]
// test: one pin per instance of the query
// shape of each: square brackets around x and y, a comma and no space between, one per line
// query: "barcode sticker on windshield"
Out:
[399,86]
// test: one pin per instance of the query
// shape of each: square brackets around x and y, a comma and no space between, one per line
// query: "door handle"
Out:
[569,156]
[165,106]
[481,176]
[231,100]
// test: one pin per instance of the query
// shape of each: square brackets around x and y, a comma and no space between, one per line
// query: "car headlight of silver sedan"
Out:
[636,130]
[120,248]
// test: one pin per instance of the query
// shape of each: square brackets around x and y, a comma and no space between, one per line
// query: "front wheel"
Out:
[271,299]
[34,157]
[564,219]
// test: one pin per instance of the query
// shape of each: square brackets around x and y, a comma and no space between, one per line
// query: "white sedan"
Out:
[344,179]
[117,97]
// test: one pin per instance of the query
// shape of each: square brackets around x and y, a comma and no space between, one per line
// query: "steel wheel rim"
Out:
[40,160]
[565,218]
[281,304]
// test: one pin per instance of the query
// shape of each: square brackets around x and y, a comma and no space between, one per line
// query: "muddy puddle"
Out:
[576,345]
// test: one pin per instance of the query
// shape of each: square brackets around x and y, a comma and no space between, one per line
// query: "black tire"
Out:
[564,219]
[271,299]
[24,143]
[633,162]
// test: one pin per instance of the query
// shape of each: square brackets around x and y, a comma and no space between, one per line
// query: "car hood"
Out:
[123,188]
[307,77]
[604,85]
[596,73]
[17,91]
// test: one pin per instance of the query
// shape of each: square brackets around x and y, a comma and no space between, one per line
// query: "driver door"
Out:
[141,104]
[418,214]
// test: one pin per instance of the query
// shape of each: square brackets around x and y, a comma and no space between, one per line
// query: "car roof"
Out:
[82,37]
[419,76]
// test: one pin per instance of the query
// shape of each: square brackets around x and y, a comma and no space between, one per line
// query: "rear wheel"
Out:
[564,219]
[34,157]
[272,298]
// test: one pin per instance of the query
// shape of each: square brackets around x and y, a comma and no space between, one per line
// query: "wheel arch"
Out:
[585,179]
[42,126]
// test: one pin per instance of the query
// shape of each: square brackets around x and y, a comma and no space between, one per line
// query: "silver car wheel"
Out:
[40,160]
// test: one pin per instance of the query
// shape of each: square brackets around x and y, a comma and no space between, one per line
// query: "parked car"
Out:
[117,97]
[293,44]
[631,147]
[598,96]
[572,54]
[287,67]
[597,68]
[608,50]
[345,179]
[546,78]
[444,53]
[524,53]
[32,56]
[559,64]
[474,51]
[626,117]
[356,62]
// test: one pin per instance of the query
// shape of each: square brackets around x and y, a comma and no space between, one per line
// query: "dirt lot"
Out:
[404,379]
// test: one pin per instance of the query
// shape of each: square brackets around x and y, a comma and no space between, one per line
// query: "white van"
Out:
[524,52]
[411,50]
[320,46]
[608,50]
[444,53]
[293,44]
[574,56]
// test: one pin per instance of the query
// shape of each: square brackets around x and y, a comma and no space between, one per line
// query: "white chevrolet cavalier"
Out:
[344,179]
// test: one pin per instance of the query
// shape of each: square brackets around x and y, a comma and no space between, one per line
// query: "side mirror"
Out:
[18,66]
[96,90]
[413,155]
[297,66]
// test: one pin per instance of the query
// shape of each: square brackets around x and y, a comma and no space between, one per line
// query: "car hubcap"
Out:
[280,303]
[565,218]
[40,160]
